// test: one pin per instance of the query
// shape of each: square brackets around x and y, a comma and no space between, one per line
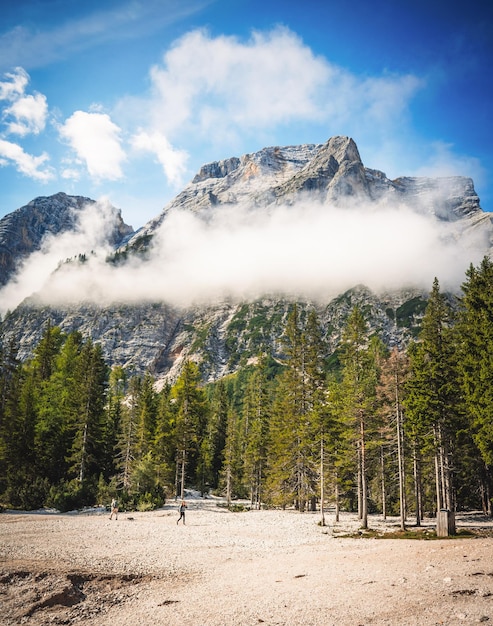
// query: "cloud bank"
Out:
[307,250]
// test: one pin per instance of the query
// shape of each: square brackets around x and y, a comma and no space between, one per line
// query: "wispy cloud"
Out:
[211,97]
[36,47]
[222,92]
[23,114]
[32,166]
[172,160]
[93,226]
[444,161]
[28,115]
[14,84]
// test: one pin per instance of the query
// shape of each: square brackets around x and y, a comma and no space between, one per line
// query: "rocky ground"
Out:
[239,568]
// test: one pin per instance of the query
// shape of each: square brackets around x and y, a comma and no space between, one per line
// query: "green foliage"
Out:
[27,493]
[71,495]
[475,330]
[250,331]
[149,502]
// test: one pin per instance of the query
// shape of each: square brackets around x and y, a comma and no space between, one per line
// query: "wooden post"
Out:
[445,523]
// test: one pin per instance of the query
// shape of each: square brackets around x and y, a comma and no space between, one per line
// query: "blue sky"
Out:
[126,99]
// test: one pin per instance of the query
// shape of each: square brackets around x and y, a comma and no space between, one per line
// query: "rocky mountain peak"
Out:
[333,174]
[23,230]
[216,169]
[449,198]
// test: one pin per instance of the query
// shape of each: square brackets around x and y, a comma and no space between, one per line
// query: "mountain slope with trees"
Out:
[399,431]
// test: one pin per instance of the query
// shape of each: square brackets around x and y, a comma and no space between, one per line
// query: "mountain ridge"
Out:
[226,334]
[331,173]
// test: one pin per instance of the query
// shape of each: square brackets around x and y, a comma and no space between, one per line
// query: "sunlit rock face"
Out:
[228,333]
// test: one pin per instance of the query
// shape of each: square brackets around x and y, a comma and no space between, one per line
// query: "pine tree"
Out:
[47,350]
[338,444]
[14,425]
[163,447]
[359,389]
[191,416]
[390,393]
[128,436]
[255,419]
[146,410]
[87,423]
[293,468]
[213,442]
[231,470]
[58,413]
[475,333]
[117,384]
[433,402]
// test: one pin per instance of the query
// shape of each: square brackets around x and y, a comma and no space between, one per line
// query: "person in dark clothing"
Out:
[182,508]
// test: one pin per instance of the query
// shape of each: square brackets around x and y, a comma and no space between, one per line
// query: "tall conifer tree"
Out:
[475,341]
[433,398]
[359,389]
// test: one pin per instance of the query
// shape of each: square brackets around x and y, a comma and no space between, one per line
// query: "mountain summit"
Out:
[331,174]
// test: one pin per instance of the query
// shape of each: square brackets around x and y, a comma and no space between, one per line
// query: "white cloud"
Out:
[29,115]
[442,161]
[97,142]
[15,85]
[219,83]
[212,96]
[172,160]
[32,166]
[33,46]
[222,87]
[306,249]
[25,114]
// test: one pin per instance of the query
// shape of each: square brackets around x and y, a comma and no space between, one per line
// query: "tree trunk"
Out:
[228,485]
[322,483]
[417,485]
[83,453]
[336,496]
[400,459]
[364,495]
[360,490]
[382,473]
[183,463]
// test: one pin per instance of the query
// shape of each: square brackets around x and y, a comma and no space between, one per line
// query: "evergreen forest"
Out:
[405,431]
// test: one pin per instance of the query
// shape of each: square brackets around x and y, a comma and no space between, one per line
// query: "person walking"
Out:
[114,508]
[182,509]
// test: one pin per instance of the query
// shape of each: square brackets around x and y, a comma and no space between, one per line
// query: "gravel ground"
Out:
[224,568]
